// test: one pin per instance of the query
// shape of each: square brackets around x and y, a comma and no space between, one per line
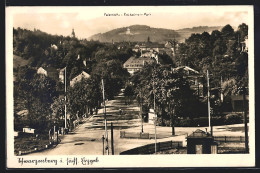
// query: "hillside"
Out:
[186,32]
[140,33]
[136,33]
[19,61]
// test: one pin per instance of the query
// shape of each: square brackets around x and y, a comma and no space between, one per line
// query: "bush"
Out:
[217,121]
[184,123]
[203,121]
[233,119]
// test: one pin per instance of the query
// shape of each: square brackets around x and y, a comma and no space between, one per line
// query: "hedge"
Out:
[203,121]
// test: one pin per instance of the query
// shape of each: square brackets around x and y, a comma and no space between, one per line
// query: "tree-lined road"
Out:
[87,138]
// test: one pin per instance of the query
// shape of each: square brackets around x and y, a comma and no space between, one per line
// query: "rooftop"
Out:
[138,60]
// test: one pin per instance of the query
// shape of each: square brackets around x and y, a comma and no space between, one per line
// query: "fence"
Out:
[139,135]
[229,138]
[150,148]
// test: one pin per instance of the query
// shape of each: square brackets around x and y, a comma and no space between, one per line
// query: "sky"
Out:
[87,21]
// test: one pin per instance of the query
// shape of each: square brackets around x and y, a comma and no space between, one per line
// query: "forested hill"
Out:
[140,33]
[136,33]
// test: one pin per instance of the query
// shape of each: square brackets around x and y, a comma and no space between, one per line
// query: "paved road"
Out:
[87,138]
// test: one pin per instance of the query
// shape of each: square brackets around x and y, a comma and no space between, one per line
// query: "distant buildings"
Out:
[134,64]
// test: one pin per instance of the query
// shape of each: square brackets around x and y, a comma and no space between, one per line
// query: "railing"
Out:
[139,135]
[229,138]
[150,148]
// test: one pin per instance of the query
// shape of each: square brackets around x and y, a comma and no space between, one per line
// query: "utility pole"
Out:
[155,118]
[105,119]
[209,103]
[245,119]
[112,139]
[141,111]
[65,86]
[103,144]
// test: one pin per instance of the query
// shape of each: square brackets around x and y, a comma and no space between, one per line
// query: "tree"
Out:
[37,95]
[84,96]
[243,31]
[128,93]
[227,32]
[170,89]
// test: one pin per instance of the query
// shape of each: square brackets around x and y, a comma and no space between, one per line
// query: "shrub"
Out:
[202,121]
[233,118]
[184,123]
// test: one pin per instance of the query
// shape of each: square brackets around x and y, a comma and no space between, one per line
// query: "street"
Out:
[87,138]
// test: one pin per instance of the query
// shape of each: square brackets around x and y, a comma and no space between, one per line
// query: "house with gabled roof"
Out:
[48,71]
[78,78]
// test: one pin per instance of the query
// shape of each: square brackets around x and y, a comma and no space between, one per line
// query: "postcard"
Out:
[130,86]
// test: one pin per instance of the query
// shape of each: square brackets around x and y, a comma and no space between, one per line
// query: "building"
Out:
[237,102]
[128,31]
[149,46]
[200,142]
[49,71]
[134,64]
[78,78]
[194,78]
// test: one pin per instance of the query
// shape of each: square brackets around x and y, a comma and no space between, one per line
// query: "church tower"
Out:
[73,33]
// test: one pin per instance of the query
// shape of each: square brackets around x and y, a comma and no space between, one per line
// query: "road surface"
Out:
[87,138]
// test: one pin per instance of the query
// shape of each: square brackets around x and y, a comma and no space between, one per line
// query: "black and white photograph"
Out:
[130,86]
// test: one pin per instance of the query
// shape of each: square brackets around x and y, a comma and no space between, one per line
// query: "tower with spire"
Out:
[73,33]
